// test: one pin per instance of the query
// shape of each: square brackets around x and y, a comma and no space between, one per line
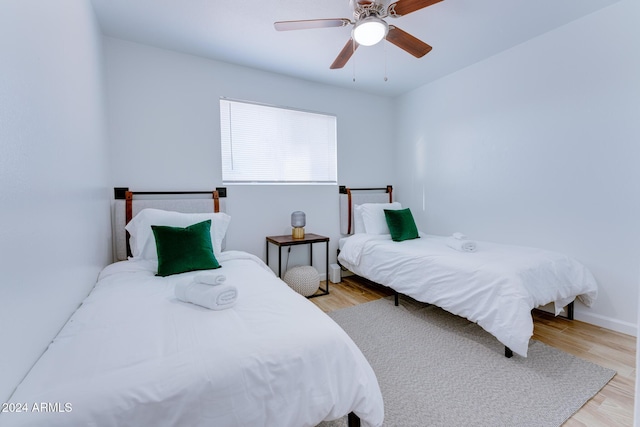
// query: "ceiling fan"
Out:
[369,27]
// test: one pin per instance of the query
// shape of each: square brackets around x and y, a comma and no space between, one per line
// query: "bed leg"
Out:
[507,352]
[353,420]
[395,297]
[570,311]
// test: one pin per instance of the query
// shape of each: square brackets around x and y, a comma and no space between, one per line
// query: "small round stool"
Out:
[305,279]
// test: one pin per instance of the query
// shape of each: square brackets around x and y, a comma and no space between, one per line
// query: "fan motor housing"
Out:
[361,11]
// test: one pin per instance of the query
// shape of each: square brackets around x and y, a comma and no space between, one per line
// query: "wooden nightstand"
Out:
[308,239]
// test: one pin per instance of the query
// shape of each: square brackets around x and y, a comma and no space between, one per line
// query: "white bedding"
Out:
[133,355]
[497,286]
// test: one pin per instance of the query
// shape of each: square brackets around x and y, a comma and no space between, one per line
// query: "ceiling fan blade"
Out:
[405,7]
[407,42]
[311,23]
[345,54]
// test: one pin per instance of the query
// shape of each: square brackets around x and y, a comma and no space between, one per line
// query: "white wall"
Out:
[539,146]
[54,199]
[164,125]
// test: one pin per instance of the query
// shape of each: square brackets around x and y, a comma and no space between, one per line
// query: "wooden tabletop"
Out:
[287,239]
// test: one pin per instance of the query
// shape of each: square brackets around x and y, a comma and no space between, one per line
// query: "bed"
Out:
[135,355]
[495,286]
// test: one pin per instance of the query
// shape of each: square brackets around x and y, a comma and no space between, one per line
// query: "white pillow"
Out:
[358,222]
[143,242]
[374,219]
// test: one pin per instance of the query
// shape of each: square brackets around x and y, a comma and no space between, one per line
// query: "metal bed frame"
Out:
[123,193]
[389,189]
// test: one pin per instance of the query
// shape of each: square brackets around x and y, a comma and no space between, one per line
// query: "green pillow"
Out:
[184,249]
[401,224]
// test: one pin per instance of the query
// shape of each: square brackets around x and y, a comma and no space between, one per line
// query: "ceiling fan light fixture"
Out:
[370,30]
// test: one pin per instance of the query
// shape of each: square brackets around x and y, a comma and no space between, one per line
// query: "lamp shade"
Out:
[370,31]
[298,219]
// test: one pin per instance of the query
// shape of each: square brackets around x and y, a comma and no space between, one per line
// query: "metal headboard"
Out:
[351,196]
[125,209]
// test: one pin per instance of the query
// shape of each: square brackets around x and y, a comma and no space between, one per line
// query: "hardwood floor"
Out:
[612,406]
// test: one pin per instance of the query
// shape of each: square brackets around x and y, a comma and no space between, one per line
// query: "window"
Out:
[270,145]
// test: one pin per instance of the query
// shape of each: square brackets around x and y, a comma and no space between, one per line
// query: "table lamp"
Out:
[298,221]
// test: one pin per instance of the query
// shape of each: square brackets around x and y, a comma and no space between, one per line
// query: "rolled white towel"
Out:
[210,278]
[211,297]
[462,245]
[459,236]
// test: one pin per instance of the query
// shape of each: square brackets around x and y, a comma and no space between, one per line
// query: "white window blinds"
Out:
[271,145]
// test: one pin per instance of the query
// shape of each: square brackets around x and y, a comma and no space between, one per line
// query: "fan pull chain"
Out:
[353,63]
[385,60]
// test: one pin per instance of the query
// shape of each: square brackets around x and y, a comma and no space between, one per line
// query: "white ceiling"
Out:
[461,32]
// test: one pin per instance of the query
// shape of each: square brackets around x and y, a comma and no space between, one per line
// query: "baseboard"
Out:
[607,322]
[598,320]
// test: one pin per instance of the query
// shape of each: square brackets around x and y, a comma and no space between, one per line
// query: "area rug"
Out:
[437,369]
